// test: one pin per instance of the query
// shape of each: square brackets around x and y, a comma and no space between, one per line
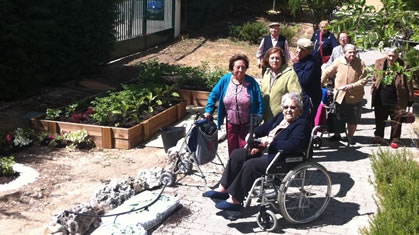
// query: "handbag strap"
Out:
[321,44]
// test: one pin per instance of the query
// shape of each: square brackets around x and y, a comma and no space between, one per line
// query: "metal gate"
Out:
[143,24]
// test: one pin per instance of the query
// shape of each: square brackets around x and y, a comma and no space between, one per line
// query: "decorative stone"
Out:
[69,223]
[113,194]
[150,178]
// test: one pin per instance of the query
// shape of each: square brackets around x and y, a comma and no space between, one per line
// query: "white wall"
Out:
[177,17]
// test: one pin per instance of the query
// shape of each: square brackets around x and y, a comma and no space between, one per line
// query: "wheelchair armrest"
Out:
[293,158]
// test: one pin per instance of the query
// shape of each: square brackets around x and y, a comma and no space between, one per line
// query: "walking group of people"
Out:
[288,97]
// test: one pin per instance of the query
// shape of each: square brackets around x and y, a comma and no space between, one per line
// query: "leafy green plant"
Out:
[52,140]
[77,139]
[396,181]
[119,108]
[70,109]
[212,77]
[53,114]
[6,166]
[253,32]
[234,31]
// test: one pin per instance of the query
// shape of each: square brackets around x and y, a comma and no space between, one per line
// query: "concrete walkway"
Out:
[349,209]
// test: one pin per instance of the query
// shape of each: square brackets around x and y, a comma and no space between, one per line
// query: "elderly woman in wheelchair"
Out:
[286,137]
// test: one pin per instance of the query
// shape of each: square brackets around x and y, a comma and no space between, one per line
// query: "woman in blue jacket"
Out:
[288,131]
[238,96]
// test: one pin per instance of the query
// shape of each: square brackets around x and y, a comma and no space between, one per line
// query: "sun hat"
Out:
[274,24]
[305,43]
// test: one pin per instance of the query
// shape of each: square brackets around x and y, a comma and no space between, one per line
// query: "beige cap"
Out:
[274,24]
[305,43]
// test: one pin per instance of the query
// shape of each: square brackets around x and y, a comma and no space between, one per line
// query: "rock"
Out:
[113,194]
[69,223]
[150,178]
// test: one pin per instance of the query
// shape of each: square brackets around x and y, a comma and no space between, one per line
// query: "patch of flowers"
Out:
[77,139]
[11,140]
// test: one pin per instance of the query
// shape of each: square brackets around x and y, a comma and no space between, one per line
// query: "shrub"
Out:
[253,32]
[234,31]
[397,180]
[186,77]
[6,166]
[289,32]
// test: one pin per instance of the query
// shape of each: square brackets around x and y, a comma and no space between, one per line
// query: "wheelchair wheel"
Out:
[317,142]
[168,178]
[305,193]
[185,167]
[267,221]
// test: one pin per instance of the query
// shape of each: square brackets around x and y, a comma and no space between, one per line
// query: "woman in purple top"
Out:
[238,96]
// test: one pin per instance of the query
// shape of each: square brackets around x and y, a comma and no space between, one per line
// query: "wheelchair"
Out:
[293,185]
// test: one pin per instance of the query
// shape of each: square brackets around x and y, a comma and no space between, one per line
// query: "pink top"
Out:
[237,103]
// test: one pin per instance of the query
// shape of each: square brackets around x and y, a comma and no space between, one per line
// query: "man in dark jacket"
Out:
[391,94]
[309,73]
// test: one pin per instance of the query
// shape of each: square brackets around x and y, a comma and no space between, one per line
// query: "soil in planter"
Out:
[8,179]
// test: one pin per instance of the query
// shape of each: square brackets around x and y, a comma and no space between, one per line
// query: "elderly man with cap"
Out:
[273,40]
[351,77]
[309,73]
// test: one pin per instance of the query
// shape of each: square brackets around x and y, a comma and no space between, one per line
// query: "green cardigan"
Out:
[286,81]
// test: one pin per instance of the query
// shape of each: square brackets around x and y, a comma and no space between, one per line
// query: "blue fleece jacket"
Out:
[257,105]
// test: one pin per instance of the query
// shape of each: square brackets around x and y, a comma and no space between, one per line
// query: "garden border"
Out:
[116,137]
[194,97]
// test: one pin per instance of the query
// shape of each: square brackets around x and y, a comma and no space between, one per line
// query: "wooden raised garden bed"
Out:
[194,97]
[115,137]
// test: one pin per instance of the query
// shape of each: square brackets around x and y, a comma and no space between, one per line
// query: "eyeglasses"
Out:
[287,107]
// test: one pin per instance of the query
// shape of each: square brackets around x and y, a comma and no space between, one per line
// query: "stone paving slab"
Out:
[349,209]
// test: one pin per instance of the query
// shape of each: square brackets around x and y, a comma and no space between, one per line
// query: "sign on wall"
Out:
[155,9]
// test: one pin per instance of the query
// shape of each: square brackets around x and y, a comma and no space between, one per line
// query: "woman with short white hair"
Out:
[288,132]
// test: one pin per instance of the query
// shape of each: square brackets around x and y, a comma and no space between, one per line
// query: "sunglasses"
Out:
[286,107]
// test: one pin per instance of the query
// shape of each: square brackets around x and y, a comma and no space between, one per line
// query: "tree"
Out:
[395,24]
[322,9]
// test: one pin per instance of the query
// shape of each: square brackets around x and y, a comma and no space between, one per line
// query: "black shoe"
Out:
[335,138]
[216,195]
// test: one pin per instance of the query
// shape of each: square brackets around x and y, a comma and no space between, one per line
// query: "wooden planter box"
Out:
[115,137]
[193,97]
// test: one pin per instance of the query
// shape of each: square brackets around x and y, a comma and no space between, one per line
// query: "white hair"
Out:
[349,46]
[293,96]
